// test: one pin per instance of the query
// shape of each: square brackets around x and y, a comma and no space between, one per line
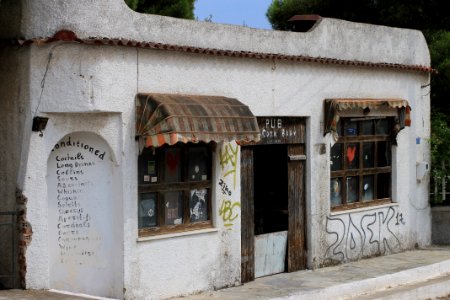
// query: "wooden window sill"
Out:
[346,210]
[176,234]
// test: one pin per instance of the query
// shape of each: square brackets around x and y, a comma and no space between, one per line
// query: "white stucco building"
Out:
[177,153]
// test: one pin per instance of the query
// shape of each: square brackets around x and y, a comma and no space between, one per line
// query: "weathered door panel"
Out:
[296,198]
[270,253]
[247,213]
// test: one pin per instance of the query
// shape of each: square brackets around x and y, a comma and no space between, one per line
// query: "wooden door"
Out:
[296,245]
[247,213]
[296,254]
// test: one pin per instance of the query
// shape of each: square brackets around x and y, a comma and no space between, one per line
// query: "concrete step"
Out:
[436,288]
[420,274]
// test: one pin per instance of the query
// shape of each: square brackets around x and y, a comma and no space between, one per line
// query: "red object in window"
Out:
[172,161]
[351,151]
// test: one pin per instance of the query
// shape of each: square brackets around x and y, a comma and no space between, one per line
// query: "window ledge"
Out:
[176,234]
[367,208]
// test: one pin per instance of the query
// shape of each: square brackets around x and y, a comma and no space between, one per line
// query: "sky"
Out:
[251,13]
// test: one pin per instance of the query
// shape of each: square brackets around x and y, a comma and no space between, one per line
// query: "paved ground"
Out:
[37,295]
[392,275]
[344,281]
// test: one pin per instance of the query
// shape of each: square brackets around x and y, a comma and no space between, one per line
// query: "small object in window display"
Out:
[352,189]
[197,166]
[336,154]
[197,205]
[352,156]
[154,179]
[351,128]
[151,169]
[351,151]
[146,178]
[151,212]
[335,187]
[147,210]
[173,207]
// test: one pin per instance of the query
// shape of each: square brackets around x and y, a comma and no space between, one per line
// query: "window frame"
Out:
[185,186]
[362,171]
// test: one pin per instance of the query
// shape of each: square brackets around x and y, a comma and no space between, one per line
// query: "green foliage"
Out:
[416,14]
[183,9]
[439,141]
[440,151]
[280,11]
[439,45]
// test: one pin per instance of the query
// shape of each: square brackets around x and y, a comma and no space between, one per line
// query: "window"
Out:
[361,163]
[174,188]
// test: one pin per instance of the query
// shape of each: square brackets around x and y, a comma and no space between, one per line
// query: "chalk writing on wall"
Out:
[82,215]
[76,239]
[354,236]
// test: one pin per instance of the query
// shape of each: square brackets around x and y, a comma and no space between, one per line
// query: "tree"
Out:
[439,45]
[183,9]
[416,14]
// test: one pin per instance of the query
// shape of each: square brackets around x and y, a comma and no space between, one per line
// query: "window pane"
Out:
[336,157]
[367,127]
[198,205]
[198,163]
[172,160]
[368,188]
[384,154]
[368,149]
[382,127]
[352,154]
[340,128]
[147,167]
[173,206]
[350,128]
[336,191]
[148,210]
[384,186]
[352,189]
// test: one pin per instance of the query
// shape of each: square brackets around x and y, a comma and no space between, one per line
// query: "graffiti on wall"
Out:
[229,209]
[355,236]
[228,161]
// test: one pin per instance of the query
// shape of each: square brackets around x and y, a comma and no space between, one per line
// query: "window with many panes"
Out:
[174,188]
[361,163]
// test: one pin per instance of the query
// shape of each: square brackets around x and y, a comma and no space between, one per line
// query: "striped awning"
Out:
[334,108]
[169,119]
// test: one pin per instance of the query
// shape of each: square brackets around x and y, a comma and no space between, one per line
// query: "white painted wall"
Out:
[84,235]
[93,88]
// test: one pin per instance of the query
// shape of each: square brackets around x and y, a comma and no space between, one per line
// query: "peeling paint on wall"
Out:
[25,234]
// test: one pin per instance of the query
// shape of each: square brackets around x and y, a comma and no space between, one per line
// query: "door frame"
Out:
[296,244]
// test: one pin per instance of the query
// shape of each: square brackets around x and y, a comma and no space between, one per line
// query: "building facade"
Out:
[149,156]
